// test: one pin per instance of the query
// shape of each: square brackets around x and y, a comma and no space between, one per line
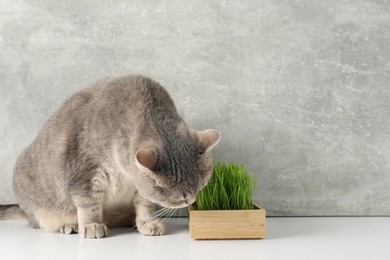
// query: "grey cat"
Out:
[106,157]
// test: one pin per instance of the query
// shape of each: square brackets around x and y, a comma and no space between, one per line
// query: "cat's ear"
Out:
[146,159]
[208,139]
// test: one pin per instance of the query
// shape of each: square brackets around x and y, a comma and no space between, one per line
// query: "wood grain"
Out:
[227,224]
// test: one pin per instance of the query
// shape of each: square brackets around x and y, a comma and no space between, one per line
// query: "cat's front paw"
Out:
[69,229]
[151,227]
[94,230]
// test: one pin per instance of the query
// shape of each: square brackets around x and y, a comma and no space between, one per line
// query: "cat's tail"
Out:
[11,211]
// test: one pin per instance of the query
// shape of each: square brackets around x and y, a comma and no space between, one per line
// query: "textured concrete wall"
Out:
[299,89]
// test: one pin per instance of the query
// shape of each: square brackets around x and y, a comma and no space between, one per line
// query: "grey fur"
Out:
[106,156]
[11,211]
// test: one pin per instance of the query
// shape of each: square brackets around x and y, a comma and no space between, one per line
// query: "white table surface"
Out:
[287,238]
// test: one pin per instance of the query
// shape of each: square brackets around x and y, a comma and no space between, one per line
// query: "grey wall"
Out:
[299,89]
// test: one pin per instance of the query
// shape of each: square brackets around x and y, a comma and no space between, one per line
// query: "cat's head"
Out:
[171,175]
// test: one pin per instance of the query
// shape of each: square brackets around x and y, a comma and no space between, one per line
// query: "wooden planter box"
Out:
[227,224]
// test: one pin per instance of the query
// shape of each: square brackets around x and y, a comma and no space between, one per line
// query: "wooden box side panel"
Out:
[227,224]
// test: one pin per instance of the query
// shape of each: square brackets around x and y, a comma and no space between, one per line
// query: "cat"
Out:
[106,158]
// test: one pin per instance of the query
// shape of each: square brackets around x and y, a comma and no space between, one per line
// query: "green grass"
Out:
[230,188]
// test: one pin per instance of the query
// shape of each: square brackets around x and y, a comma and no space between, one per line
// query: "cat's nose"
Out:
[189,199]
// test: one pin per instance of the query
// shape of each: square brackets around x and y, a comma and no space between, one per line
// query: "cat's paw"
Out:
[69,229]
[151,228]
[94,230]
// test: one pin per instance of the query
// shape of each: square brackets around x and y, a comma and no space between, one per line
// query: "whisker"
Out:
[157,214]
[160,213]
[164,213]
[179,217]
[166,216]
[170,215]
[159,210]
[133,227]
